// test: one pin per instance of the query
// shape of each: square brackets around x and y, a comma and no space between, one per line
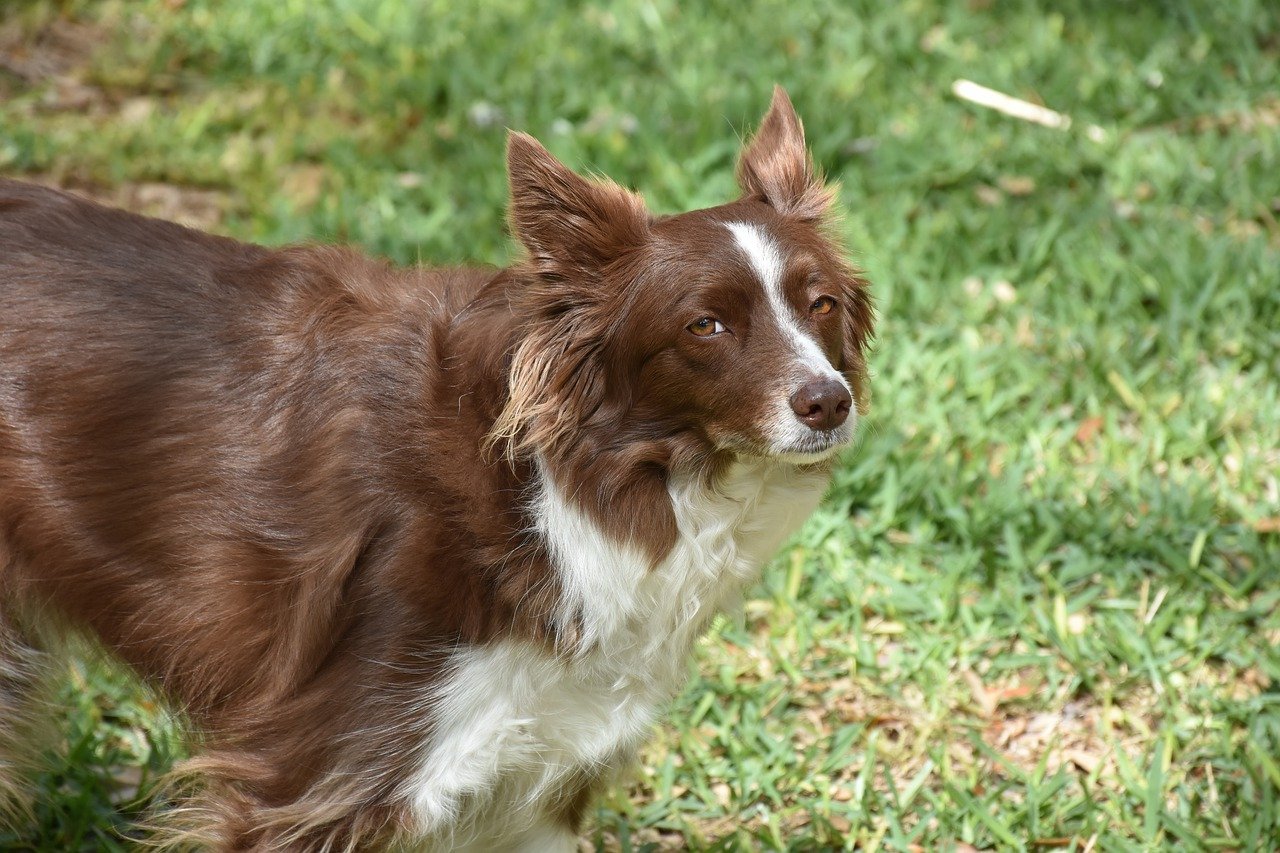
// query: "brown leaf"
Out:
[1014,691]
[1089,427]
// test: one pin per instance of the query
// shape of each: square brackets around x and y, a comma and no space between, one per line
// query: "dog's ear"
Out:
[573,229]
[567,222]
[776,168]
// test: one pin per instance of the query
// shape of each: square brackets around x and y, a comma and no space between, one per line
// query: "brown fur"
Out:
[266,479]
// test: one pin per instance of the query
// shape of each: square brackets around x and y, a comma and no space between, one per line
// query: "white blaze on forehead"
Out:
[769,264]
[765,257]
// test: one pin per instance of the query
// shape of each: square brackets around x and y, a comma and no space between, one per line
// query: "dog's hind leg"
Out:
[22,669]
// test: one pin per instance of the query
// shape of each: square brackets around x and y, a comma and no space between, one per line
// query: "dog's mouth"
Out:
[808,449]
[815,447]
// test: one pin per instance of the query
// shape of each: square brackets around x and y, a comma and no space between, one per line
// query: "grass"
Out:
[1040,608]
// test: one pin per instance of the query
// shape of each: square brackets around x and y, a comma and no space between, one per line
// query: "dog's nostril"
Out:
[822,404]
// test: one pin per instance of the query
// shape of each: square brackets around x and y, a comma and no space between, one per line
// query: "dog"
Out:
[419,554]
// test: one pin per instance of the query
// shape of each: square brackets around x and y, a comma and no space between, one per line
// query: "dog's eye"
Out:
[706,327]
[822,305]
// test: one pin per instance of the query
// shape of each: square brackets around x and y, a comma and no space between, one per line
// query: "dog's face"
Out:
[740,326]
[743,317]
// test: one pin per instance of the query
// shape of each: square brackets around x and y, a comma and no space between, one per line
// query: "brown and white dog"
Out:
[420,554]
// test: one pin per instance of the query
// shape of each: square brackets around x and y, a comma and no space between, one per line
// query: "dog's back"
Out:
[200,442]
[167,398]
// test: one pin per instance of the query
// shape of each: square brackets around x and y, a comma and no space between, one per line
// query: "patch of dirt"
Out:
[204,209]
[54,57]
[45,53]
[51,59]
[195,208]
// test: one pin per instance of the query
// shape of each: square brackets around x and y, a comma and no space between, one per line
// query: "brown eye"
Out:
[822,305]
[706,327]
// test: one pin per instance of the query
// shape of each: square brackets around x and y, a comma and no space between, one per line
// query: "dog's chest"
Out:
[516,724]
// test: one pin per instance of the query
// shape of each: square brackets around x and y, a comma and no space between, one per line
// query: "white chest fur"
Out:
[514,724]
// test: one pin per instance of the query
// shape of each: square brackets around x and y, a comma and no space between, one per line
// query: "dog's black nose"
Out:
[822,403]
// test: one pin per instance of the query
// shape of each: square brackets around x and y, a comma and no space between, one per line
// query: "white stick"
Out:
[1010,106]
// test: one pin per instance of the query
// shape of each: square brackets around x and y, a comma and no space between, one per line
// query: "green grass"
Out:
[1040,608]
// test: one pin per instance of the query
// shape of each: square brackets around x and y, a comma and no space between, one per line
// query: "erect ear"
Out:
[775,166]
[566,221]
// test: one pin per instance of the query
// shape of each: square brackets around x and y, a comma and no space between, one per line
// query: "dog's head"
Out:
[740,329]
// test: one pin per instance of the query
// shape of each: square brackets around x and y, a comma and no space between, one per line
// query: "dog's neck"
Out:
[615,469]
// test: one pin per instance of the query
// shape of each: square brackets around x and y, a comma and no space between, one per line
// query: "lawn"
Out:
[1040,607]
